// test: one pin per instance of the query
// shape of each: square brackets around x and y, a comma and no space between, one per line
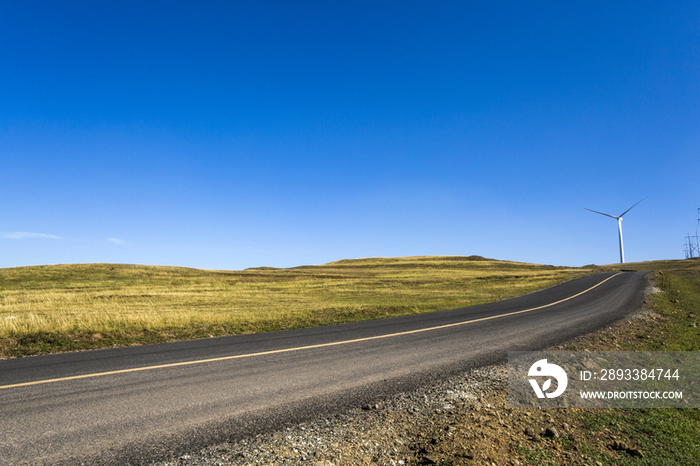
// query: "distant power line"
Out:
[691,247]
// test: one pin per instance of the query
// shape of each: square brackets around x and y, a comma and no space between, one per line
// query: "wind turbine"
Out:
[619,227]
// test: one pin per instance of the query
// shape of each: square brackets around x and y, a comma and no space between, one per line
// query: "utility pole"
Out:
[690,248]
[697,241]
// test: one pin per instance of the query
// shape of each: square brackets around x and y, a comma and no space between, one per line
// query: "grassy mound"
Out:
[68,307]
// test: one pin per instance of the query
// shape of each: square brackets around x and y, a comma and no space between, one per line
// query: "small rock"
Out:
[552,433]
[617,446]
[692,316]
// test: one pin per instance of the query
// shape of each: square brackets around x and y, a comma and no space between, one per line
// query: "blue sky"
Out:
[227,135]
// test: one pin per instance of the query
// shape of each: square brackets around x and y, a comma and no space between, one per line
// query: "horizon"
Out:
[612,264]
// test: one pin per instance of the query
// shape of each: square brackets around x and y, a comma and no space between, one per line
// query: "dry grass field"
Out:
[68,307]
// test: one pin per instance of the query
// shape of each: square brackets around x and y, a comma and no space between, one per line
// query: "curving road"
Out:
[138,404]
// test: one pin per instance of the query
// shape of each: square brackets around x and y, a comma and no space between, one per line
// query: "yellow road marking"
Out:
[299,348]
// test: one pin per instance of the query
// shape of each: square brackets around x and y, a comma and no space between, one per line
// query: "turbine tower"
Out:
[619,227]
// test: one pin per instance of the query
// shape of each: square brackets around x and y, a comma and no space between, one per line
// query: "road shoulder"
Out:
[462,420]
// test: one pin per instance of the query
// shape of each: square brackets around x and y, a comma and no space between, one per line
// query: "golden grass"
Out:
[64,307]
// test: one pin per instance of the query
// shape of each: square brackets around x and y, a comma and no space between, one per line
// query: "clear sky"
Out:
[235,134]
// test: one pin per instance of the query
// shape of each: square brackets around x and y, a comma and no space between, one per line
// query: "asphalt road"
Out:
[138,404]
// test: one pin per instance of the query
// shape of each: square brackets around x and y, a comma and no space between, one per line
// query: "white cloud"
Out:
[25,234]
[116,240]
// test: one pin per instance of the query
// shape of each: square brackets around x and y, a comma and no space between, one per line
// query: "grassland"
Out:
[65,307]
[54,308]
[666,436]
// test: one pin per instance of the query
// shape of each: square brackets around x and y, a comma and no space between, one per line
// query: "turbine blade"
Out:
[601,213]
[623,213]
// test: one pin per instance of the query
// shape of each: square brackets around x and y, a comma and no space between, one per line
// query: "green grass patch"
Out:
[652,437]
[663,436]
[680,305]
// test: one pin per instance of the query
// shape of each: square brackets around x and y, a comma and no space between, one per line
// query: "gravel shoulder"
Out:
[460,420]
